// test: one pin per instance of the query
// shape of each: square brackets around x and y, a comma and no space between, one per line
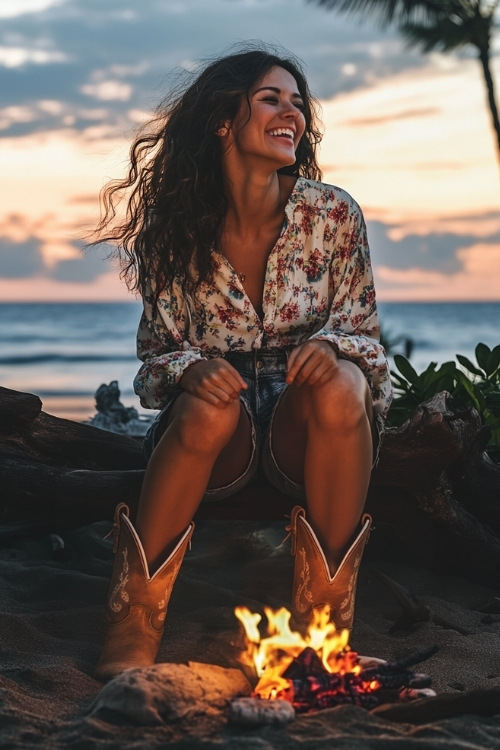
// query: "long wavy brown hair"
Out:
[173,191]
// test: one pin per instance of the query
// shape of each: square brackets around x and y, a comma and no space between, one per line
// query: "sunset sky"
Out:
[408,136]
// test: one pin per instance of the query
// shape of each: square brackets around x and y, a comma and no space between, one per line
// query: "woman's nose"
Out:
[290,110]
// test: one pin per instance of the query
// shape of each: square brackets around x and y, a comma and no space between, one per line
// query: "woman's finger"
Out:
[208,395]
[295,361]
[309,371]
[217,384]
[313,361]
[232,375]
[213,374]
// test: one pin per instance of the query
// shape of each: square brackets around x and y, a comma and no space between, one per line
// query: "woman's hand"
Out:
[311,363]
[213,380]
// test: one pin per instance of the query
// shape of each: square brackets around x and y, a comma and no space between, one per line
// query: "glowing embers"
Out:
[319,669]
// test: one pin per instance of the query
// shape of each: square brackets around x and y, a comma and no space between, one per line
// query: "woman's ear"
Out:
[224,129]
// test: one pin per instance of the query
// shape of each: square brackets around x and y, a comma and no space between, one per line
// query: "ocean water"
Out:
[439,331]
[64,352]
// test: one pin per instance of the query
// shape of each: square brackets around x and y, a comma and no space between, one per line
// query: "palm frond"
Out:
[389,11]
[444,35]
[413,11]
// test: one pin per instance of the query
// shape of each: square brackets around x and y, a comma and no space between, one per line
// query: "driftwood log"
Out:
[485,702]
[435,494]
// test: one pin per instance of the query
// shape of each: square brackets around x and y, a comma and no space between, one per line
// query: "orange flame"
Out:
[272,655]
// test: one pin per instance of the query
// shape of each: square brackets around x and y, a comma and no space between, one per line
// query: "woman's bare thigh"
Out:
[289,433]
[234,457]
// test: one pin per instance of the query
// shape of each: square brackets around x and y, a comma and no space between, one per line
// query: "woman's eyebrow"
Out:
[276,91]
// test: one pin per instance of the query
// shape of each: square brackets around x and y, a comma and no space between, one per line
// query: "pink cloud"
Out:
[478,280]
[105,288]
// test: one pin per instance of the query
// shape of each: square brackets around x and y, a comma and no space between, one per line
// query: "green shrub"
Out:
[470,384]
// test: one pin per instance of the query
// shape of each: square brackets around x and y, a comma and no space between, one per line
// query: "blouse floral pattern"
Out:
[318,285]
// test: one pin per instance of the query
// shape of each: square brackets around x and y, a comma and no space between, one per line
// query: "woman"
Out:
[259,339]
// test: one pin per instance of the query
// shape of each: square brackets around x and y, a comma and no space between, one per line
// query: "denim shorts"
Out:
[264,371]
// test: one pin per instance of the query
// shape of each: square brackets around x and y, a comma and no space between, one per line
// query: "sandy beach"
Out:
[52,607]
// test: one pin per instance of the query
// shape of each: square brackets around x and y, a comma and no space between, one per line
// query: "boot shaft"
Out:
[137,602]
[314,585]
[131,583]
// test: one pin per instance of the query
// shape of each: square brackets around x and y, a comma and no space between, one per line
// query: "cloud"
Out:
[482,224]
[451,265]
[84,269]
[25,259]
[124,56]
[15,57]
[408,114]
[20,260]
[108,91]
[106,287]
[88,199]
[477,279]
[10,8]
[439,250]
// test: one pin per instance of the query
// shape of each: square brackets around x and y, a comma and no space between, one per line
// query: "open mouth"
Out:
[282,133]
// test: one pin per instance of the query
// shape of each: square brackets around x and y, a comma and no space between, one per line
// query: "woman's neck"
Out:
[256,201]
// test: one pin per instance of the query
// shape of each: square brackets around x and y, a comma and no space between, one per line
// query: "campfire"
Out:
[319,669]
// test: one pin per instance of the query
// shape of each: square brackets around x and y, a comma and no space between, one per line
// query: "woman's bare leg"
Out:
[322,437]
[203,445]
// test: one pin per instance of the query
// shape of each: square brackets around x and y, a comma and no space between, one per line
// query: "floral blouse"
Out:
[318,285]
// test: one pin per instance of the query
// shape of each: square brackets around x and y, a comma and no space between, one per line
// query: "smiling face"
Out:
[271,129]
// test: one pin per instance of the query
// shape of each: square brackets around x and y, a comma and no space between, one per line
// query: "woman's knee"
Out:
[342,401]
[203,427]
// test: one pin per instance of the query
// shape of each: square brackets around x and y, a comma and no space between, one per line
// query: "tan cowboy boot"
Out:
[137,602]
[313,584]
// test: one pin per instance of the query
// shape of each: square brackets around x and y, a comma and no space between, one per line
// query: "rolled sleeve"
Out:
[353,326]
[165,354]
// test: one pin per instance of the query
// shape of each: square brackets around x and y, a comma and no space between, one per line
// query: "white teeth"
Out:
[282,131]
